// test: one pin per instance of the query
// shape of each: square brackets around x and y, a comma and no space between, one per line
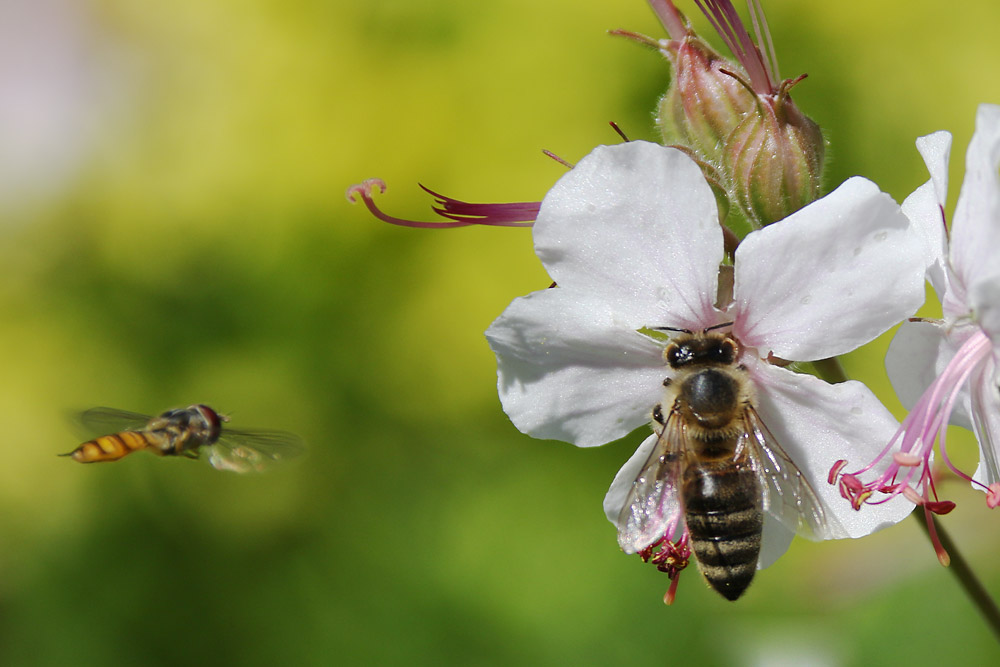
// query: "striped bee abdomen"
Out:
[111,447]
[722,508]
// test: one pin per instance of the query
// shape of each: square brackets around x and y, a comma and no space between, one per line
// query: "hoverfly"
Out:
[716,465]
[184,432]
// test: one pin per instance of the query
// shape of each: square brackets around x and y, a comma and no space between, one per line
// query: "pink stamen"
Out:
[993,495]
[514,214]
[851,482]
[672,20]
[458,213]
[669,556]
[942,554]
[912,495]
[908,473]
[668,597]
[939,506]
[835,470]
[906,459]
[726,21]
[763,33]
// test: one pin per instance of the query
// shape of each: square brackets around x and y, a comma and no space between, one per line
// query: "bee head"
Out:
[704,348]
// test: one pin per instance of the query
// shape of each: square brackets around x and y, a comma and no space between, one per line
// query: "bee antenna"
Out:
[676,329]
[718,326]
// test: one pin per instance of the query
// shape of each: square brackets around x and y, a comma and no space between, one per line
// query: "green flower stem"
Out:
[830,370]
[966,577]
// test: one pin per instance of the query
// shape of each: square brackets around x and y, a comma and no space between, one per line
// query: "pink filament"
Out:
[726,21]
[927,422]
[458,213]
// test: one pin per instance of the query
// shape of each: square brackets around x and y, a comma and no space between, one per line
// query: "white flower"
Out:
[946,371]
[631,237]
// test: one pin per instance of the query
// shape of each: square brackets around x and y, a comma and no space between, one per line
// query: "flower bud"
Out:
[774,158]
[704,103]
[737,115]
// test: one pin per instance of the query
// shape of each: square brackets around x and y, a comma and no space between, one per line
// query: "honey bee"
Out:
[715,465]
[183,432]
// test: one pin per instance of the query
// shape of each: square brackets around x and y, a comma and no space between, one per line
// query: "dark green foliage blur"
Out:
[184,238]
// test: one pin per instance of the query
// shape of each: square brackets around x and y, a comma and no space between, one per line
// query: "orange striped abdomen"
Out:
[112,447]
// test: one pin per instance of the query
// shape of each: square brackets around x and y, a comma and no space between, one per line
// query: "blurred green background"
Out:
[175,231]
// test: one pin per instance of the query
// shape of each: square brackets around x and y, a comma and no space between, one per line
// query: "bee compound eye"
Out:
[727,351]
[670,354]
[678,355]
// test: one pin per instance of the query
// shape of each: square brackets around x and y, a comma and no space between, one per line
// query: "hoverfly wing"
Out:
[787,494]
[253,450]
[102,421]
[654,499]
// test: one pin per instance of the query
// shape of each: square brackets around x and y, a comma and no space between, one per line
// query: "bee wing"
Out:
[654,500]
[788,496]
[101,421]
[253,450]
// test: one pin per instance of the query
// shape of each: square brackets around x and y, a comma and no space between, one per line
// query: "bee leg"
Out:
[658,415]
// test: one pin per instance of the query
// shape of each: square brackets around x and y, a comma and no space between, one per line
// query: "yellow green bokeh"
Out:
[183,237]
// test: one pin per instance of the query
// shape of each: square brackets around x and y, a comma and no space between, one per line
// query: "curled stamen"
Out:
[457,212]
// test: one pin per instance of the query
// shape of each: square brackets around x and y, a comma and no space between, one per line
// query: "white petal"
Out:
[935,149]
[817,424]
[569,369]
[917,355]
[975,234]
[614,500]
[636,224]
[984,298]
[986,410]
[830,277]
[925,207]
